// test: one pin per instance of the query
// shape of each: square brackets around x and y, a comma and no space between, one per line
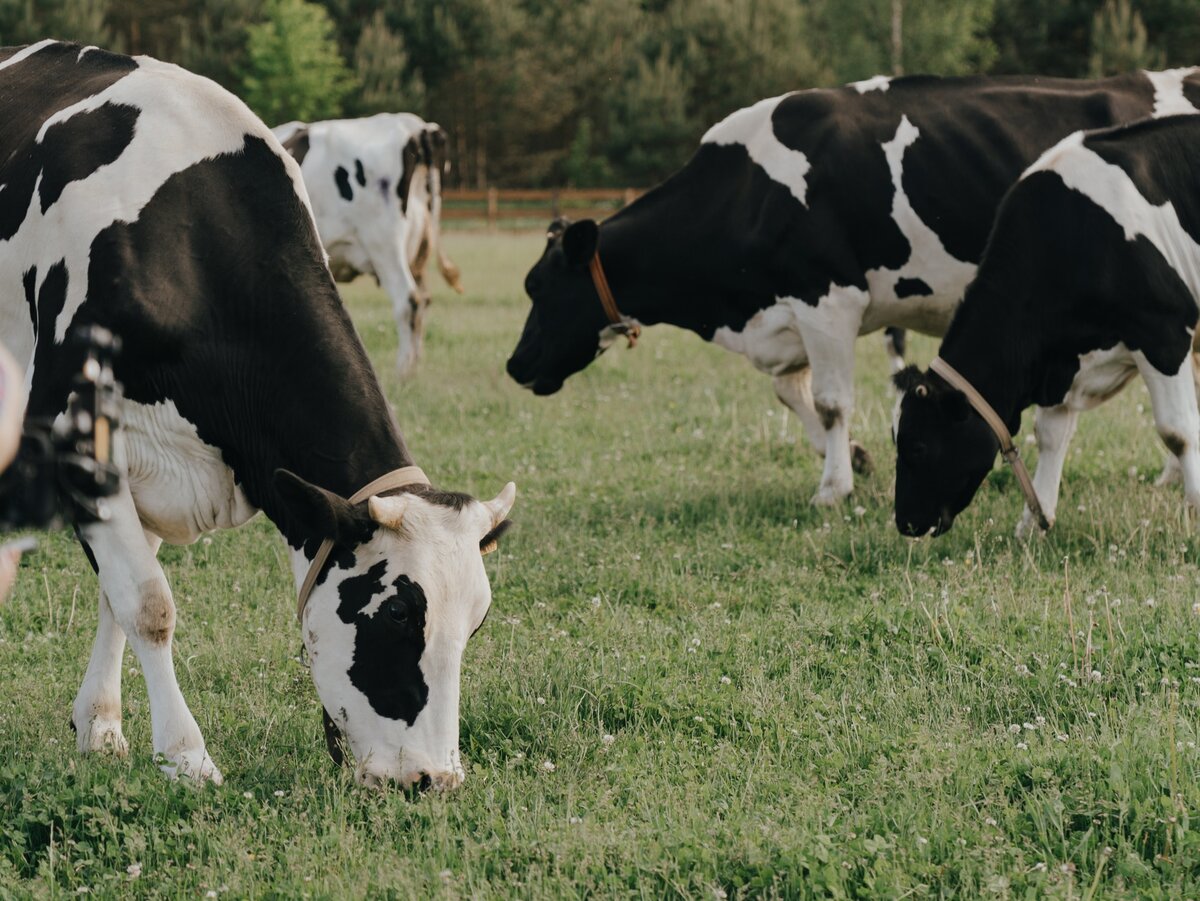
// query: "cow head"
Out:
[566,328]
[386,627]
[944,450]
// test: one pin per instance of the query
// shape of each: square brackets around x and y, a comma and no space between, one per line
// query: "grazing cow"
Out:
[1091,275]
[806,220]
[376,190]
[150,201]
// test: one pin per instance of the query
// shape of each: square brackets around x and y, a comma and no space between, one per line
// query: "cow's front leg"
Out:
[1173,398]
[96,713]
[141,605]
[1054,427]
[829,330]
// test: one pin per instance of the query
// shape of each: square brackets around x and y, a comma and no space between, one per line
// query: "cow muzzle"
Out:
[416,780]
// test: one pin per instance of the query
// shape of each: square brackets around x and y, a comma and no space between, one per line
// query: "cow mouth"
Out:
[525,376]
[940,526]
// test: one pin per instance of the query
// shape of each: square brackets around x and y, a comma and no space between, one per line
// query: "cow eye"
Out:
[397,612]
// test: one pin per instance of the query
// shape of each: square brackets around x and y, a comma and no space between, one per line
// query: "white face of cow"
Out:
[386,633]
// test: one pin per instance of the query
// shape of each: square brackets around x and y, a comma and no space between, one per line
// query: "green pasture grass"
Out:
[692,684]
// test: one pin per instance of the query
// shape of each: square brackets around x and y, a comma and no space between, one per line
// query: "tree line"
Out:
[597,92]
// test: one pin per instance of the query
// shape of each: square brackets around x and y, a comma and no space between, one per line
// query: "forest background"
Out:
[596,93]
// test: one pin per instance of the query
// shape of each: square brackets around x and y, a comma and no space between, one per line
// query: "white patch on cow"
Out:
[83,50]
[928,260]
[1169,99]
[181,486]
[754,128]
[24,54]
[1110,187]
[877,83]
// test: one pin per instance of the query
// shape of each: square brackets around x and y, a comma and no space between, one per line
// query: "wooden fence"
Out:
[514,208]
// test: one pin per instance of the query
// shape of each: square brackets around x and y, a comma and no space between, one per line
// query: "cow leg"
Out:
[96,713]
[829,331]
[794,390]
[1054,427]
[141,605]
[1172,474]
[1173,398]
[894,340]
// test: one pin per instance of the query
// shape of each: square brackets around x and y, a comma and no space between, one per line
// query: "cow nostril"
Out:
[425,783]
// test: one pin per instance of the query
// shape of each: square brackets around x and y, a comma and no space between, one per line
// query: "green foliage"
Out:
[1119,40]
[293,69]
[381,68]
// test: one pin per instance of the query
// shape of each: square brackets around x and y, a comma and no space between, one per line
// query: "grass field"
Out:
[692,683]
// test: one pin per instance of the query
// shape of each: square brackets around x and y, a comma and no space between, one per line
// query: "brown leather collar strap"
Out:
[622,325]
[397,478]
[1008,449]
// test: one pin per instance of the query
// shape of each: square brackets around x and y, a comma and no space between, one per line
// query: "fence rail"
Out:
[508,206]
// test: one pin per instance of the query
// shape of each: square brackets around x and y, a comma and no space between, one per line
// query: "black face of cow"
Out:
[563,332]
[944,450]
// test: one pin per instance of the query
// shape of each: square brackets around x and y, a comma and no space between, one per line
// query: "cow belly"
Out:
[180,485]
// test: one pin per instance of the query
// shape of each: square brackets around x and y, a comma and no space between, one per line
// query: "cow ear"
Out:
[556,228]
[580,241]
[321,513]
[954,405]
[907,379]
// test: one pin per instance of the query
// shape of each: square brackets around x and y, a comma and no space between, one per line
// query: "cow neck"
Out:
[663,270]
[991,345]
[331,426]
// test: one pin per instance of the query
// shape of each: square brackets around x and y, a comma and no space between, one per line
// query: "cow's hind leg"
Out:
[1054,427]
[1173,398]
[894,340]
[141,604]
[829,331]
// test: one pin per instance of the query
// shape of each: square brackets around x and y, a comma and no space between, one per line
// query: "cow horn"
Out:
[499,506]
[389,511]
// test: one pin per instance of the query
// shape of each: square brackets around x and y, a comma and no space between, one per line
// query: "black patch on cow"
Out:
[29,281]
[50,301]
[388,644]
[87,551]
[298,145]
[342,178]
[411,156]
[223,302]
[76,148]
[42,84]
[333,739]
[359,175]
[911,287]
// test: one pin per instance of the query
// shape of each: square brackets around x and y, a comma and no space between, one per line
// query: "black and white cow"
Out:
[376,191]
[1092,275]
[809,219]
[146,199]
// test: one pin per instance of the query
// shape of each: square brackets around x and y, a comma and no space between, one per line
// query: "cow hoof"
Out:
[1171,475]
[1027,528]
[860,460]
[102,736]
[829,497]
[194,766]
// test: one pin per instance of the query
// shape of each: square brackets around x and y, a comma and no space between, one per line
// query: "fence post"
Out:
[555,206]
[493,207]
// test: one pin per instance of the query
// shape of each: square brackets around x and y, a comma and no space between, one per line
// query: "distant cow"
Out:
[376,189]
[1092,275]
[148,200]
[806,220]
